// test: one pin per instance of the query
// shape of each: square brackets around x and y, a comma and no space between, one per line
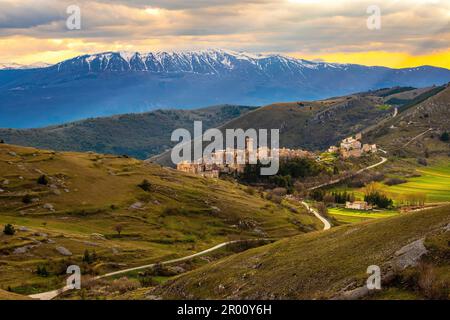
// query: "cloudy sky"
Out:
[413,32]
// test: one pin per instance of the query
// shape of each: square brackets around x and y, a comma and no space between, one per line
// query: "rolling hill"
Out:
[120,82]
[316,125]
[416,131]
[136,135]
[326,265]
[64,203]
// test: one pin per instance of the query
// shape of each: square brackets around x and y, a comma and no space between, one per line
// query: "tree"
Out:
[145,185]
[2,141]
[118,228]
[9,230]
[378,199]
[445,137]
[42,180]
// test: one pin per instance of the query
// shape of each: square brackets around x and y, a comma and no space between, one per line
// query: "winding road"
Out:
[54,293]
[326,223]
[329,183]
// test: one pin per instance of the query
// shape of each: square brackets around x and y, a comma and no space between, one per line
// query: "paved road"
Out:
[416,137]
[326,223]
[329,183]
[54,293]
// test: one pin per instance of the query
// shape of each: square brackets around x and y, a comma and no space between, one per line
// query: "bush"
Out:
[394,181]
[9,230]
[428,283]
[422,161]
[444,137]
[88,257]
[145,185]
[27,199]
[42,271]
[42,180]
[123,285]
[251,191]
[279,192]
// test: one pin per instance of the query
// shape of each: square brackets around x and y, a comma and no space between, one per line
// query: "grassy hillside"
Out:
[417,129]
[313,125]
[88,195]
[320,264]
[137,135]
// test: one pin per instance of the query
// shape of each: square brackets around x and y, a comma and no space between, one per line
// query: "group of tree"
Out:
[342,197]
[375,197]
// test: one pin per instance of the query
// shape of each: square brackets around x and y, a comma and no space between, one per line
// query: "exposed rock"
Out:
[410,254]
[97,236]
[66,190]
[21,250]
[40,234]
[23,229]
[12,154]
[5,182]
[49,206]
[56,192]
[1,190]
[63,251]
[447,228]
[114,250]
[176,270]
[136,206]
[92,244]
[215,209]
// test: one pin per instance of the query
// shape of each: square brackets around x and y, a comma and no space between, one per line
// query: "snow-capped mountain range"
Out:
[201,62]
[121,82]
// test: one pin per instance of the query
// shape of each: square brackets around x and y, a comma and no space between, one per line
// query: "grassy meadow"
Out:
[89,197]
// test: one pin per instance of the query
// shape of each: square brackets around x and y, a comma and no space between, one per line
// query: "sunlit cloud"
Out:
[413,31]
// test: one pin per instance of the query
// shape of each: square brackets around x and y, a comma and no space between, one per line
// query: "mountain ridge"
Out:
[106,84]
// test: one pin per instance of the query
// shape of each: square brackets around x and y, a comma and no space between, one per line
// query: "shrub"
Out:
[251,191]
[2,141]
[428,283]
[9,230]
[394,181]
[277,199]
[27,199]
[145,185]
[88,257]
[42,271]
[42,180]
[422,161]
[279,192]
[147,281]
[444,137]
[123,285]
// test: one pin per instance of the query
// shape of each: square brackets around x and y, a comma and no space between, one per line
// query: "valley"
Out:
[142,230]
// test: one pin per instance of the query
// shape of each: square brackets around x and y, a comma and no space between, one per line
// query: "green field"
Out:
[433,181]
[343,215]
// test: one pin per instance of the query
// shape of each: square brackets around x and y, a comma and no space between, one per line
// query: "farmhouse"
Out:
[358,205]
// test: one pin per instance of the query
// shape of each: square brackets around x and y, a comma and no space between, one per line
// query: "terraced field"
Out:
[434,181]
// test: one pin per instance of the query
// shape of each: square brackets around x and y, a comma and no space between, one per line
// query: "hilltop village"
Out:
[226,161]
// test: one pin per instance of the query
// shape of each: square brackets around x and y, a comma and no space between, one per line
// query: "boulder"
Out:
[63,251]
